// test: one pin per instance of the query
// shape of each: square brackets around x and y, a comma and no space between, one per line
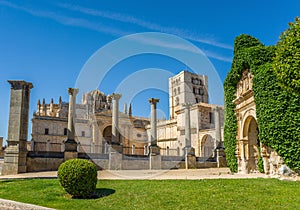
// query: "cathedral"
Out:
[94,123]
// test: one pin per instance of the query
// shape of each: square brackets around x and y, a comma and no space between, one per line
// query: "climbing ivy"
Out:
[277,108]
[287,60]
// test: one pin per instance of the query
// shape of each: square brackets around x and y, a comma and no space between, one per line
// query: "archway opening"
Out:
[107,135]
[250,134]
[207,148]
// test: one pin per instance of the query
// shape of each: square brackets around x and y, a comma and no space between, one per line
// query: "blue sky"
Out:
[48,42]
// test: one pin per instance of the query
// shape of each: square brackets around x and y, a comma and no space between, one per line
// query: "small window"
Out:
[65,131]
[46,131]
[139,135]
[178,90]
[174,91]
[201,91]
[133,149]
[83,133]
[194,90]
[200,82]
[211,118]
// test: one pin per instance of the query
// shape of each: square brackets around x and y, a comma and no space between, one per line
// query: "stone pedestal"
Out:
[190,158]
[115,157]
[117,148]
[14,160]
[154,158]
[70,155]
[70,149]
[221,158]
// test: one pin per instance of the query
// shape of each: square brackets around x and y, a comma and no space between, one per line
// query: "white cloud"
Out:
[149,25]
[84,23]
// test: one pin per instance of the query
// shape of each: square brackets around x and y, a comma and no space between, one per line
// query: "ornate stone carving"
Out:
[245,84]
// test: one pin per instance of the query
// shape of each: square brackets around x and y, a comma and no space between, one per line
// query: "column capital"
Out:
[73,91]
[186,105]
[153,100]
[216,108]
[116,96]
[20,84]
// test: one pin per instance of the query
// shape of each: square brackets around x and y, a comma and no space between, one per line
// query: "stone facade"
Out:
[249,149]
[95,128]
[186,87]
[94,123]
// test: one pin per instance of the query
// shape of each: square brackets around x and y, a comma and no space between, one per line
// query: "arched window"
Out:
[174,91]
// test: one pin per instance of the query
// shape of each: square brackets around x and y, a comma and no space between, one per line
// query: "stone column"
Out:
[154,157]
[16,151]
[217,127]
[187,124]
[190,159]
[153,102]
[115,118]
[243,169]
[70,143]
[96,138]
[115,153]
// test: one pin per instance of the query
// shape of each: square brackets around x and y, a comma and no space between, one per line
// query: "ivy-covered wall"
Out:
[277,107]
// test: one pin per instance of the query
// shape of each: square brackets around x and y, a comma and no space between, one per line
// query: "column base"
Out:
[117,148]
[115,157]
[221,158]
[70,155]
[190,158]
[189,151]
[14,161]
[71,145]
[154,150]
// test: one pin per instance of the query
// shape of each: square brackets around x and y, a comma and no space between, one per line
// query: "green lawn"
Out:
[161,194]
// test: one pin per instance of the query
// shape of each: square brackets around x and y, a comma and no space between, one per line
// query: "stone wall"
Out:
[50,161]
[44,161]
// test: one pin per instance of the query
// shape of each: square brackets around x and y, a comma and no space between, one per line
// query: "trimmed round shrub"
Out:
[78,177]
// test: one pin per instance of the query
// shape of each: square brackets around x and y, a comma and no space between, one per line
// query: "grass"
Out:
[161,194]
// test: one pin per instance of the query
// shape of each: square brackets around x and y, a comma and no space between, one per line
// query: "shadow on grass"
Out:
[99,193]
[103,192]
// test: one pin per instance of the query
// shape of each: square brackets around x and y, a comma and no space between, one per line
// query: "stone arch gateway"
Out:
[248,148]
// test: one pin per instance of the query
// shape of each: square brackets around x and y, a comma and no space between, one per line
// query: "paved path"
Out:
[209,173]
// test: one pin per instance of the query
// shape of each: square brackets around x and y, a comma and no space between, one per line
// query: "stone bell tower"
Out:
[16,152]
